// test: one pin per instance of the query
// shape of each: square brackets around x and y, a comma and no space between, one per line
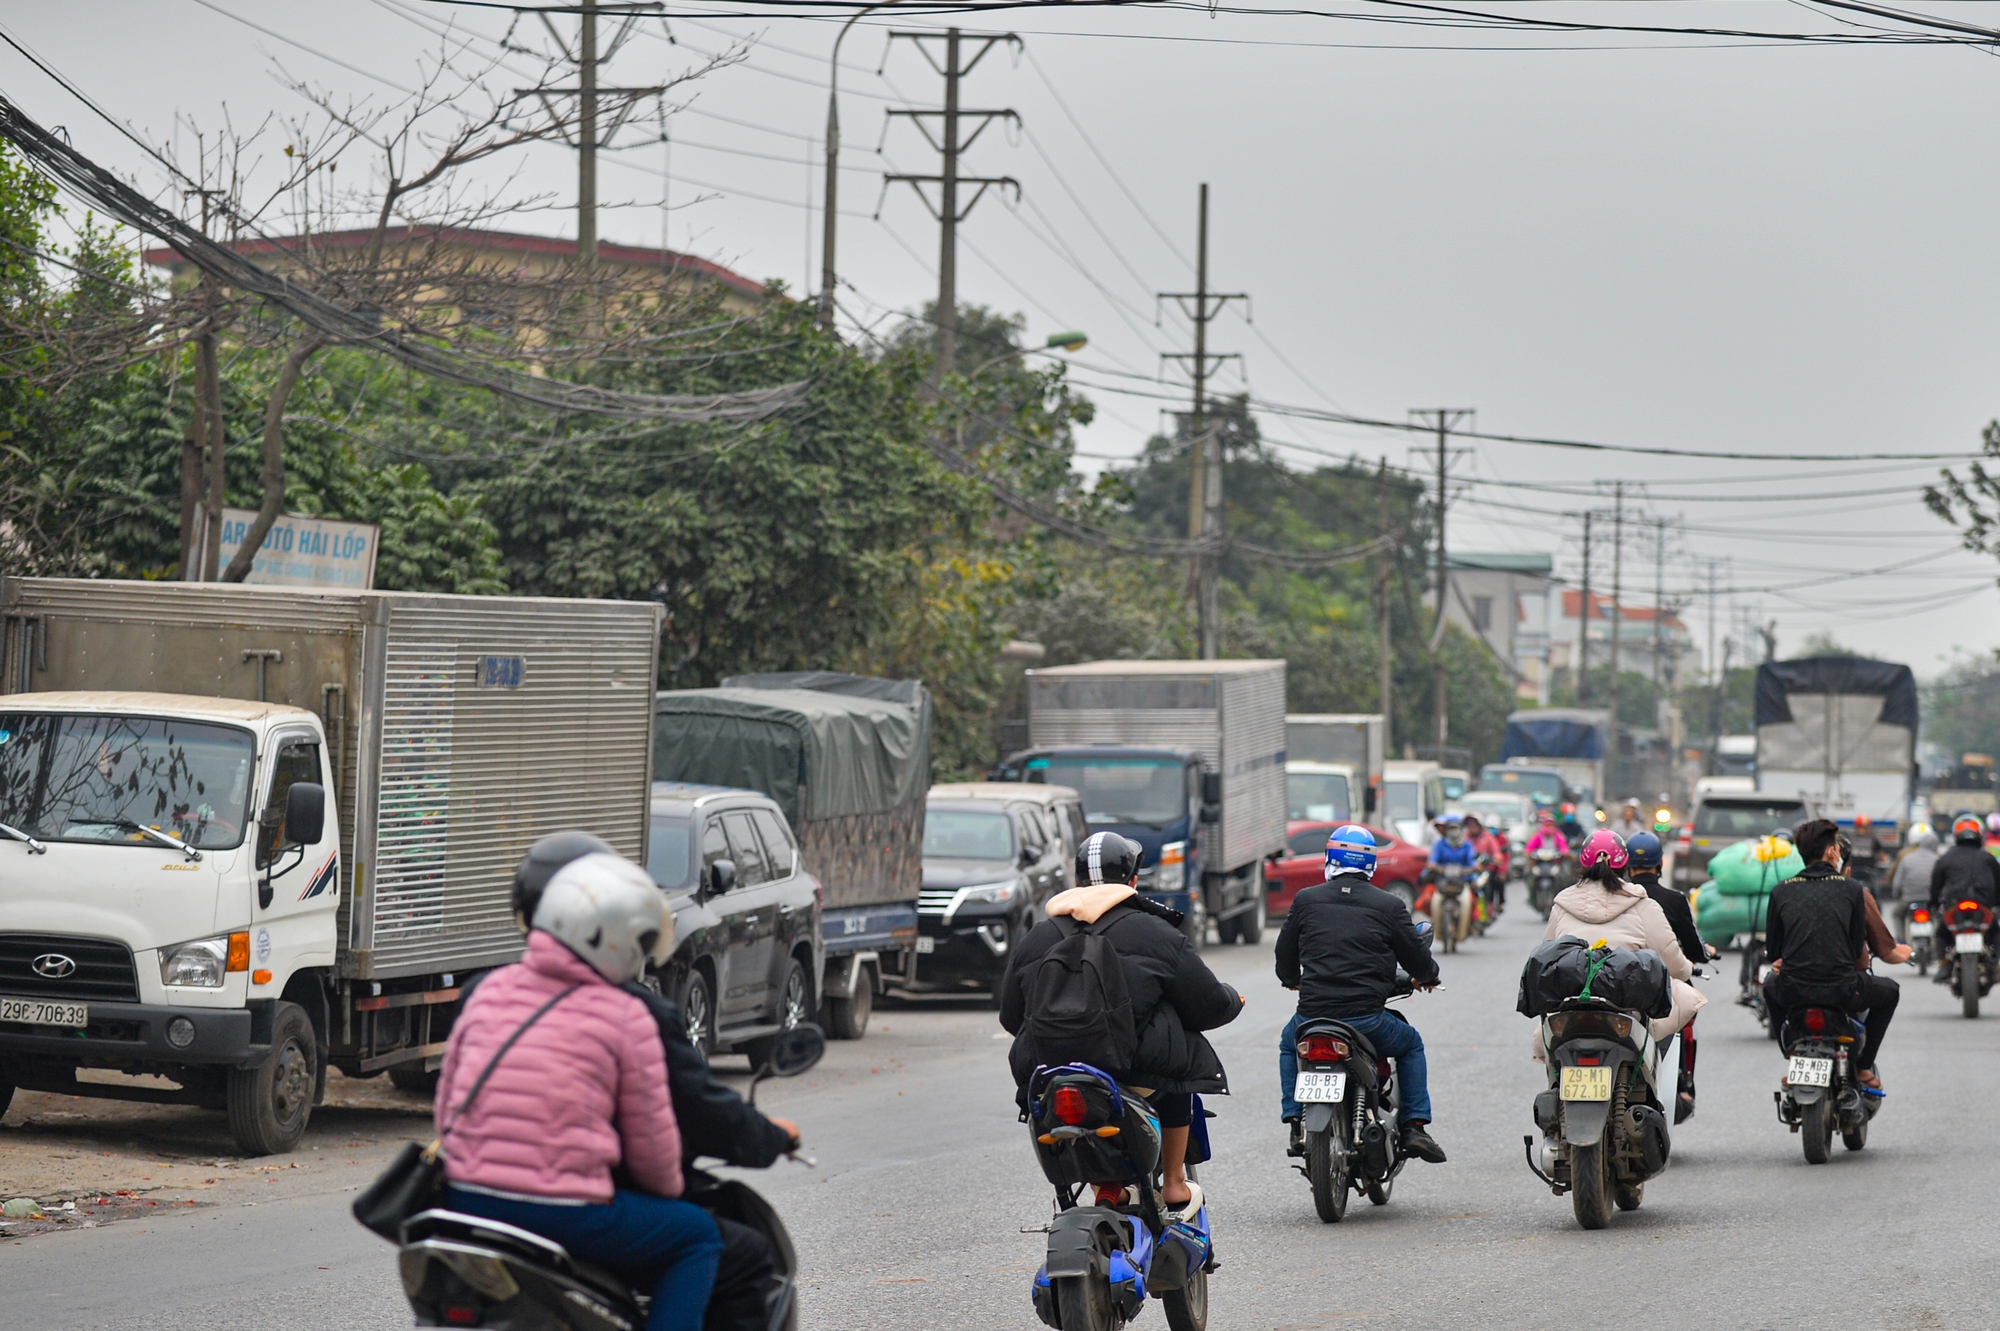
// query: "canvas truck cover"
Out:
[1866,710]
[846,757]
[1556,732]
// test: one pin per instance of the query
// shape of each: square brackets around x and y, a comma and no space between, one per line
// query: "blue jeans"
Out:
[1392,1037]
[672,1246]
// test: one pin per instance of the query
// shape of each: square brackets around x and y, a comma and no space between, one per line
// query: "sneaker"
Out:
[1416,1142]
[1683,1107]
[1298,1144]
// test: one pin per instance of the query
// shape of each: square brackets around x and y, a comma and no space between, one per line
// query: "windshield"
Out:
[1400,801]
[1145,791]
[95,778]
[960,834]
[1491,807]
[1747,818]
[1319,797]
[1523,781]
[1454,786]
[668,857]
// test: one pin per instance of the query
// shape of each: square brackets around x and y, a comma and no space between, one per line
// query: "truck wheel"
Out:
[1250,925]
[1195,926]
[269,1105]
[847,1018]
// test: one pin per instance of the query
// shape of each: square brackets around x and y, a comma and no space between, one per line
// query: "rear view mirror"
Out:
[721,876]
[1211,788]
[305,813]
[797,1050]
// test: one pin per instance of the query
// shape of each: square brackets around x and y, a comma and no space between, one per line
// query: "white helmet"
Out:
[608,911]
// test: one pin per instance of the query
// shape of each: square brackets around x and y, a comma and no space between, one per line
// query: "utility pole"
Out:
[828,272]
[1659,601]
[1385,678]
[1720,676]
[586,136]
[950,144]
[1617,589]
[1583,623]
[1444,419]
[1205,457]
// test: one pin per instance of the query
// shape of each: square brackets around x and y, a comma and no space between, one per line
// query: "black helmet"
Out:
[546,856]
[1966,831]
[1107,858]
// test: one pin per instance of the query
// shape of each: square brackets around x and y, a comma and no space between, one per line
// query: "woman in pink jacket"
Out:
[578,1093]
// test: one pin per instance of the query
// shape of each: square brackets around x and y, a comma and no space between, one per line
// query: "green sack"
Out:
[1719,917]
[1754,867]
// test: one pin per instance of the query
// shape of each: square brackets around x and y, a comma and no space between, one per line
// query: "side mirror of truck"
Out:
[721,877]
[305,813]
[1211,813]
[1211,791]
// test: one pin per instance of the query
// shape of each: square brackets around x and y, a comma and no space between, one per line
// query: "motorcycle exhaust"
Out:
[1376,1153]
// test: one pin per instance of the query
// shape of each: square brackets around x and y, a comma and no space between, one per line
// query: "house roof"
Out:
[500,242]
[1503,563]
[1600,608]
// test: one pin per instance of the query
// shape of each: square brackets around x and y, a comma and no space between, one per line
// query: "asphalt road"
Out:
[914,1217]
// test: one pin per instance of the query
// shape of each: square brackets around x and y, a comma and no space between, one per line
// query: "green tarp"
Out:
[1720,917]
[821,744]
[1752,868]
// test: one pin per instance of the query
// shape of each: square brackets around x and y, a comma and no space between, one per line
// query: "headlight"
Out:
[202,963]
[1172,872]
[998,894]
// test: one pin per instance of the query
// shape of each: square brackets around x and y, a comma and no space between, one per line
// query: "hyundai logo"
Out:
[53,966]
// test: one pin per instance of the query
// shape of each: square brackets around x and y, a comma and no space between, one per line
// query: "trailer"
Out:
[1573,741]
[256,832]
[847,758]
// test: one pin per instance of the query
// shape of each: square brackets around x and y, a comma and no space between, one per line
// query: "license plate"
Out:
[1317,1088]
[1922,929]
[1586,1083]
[1810,1072]
[38,1012]
[1965,943]
[926,945]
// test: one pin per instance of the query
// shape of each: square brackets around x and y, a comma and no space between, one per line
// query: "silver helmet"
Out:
[608,911]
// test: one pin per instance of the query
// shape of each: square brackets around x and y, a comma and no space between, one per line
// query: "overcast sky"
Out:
[1676,242]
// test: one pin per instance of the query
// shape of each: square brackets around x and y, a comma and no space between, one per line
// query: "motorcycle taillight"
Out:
[1920,916]
[1323,1049]
[1070,1106]
[1815,1020]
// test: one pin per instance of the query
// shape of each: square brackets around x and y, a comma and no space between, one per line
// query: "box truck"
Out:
[1322,746]
[1841,732]
[249,833]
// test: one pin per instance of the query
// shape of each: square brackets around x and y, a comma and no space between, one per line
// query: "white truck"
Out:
[1322,746]
[248,833]
[1840,731]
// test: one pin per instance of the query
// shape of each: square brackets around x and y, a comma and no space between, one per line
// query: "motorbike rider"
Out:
[1966,872]
[1865,864]
[1546,833]
[1491,848]
[1174,997]
[1629,823]
[1820,927]
[1910,879]
[1450,847]
[1340,948]
[714,1120]
[571,1068]
[1646,855]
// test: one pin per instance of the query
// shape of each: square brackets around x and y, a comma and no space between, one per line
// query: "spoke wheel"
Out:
[1378,1193]
[1326,1167]
[1590,1185]
[1816,1131]
[1187,1309]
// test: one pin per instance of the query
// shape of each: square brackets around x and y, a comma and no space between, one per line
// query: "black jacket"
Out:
[1966,872]
[1174,999]
[1679,914]
[1817,924]
[1341,944]
[714,1120]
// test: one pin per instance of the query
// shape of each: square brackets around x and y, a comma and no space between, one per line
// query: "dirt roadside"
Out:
[92,1162]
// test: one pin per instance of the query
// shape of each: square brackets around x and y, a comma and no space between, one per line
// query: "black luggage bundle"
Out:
[1567,967]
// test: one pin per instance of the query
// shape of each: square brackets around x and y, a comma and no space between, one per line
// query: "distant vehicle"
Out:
[1412,795]
[746,916]
[1321,792]
[1506,814]
[1842,732]
[1357,740]
[1968,788]
[1735,755]
[1398,864]
[1540,784]
[1454,782]
[1724,785]
[1722,820]
[1574,741]
[994,854]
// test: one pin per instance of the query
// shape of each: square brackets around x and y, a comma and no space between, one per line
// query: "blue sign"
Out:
[502,672]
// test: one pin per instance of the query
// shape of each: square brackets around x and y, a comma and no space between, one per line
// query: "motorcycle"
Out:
[1819,1090]
[1921,929]
[1451,901]
[1603,1120]
[1545,878]
[1972,959]
[1105,1259]
[1347,1095]
[462,1270]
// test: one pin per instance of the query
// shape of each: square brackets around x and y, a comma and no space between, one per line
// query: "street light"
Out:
[826,269]
[1070,341]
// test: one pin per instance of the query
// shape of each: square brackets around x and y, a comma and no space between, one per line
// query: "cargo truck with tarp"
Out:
[847,758]
[248,833]
[1573,741]
[1840,732]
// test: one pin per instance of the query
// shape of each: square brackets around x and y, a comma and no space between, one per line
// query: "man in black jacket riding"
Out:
[1339,948]
[1174,998]
[1966,872]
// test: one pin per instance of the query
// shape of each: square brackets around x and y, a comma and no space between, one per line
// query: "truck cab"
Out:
[169,878]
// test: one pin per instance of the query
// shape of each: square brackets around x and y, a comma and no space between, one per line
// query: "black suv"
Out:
[990,866]
[746,916]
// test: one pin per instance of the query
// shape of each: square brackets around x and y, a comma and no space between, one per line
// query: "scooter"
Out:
[1921,930]
[1819,1090]
[1603,1120]
[1972,959]
[1348,1100]
[1451,902]
[462,1270]
[1106,1258]
[1545,875]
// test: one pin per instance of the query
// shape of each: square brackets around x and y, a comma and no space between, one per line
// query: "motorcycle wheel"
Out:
[1447,927]
[1083,1303]
[1628,1195]
[1816,1131]
[1856,1137]
[1326,1167]
[1968,993]
[1590,1185]
[1187,1309]
[1378,1193]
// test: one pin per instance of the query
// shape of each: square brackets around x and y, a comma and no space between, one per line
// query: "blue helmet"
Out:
[1644,850]
[1351,849]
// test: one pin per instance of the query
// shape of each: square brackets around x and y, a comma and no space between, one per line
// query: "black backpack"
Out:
[1079,1010]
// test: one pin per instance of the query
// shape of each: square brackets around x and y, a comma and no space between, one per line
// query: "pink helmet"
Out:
[1605,847]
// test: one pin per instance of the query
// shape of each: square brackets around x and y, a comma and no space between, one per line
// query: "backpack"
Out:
[1079,1009]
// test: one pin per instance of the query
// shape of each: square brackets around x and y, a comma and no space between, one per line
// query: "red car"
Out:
[1398,864]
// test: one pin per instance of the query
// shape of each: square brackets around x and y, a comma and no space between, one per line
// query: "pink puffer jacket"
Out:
[584,1089]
